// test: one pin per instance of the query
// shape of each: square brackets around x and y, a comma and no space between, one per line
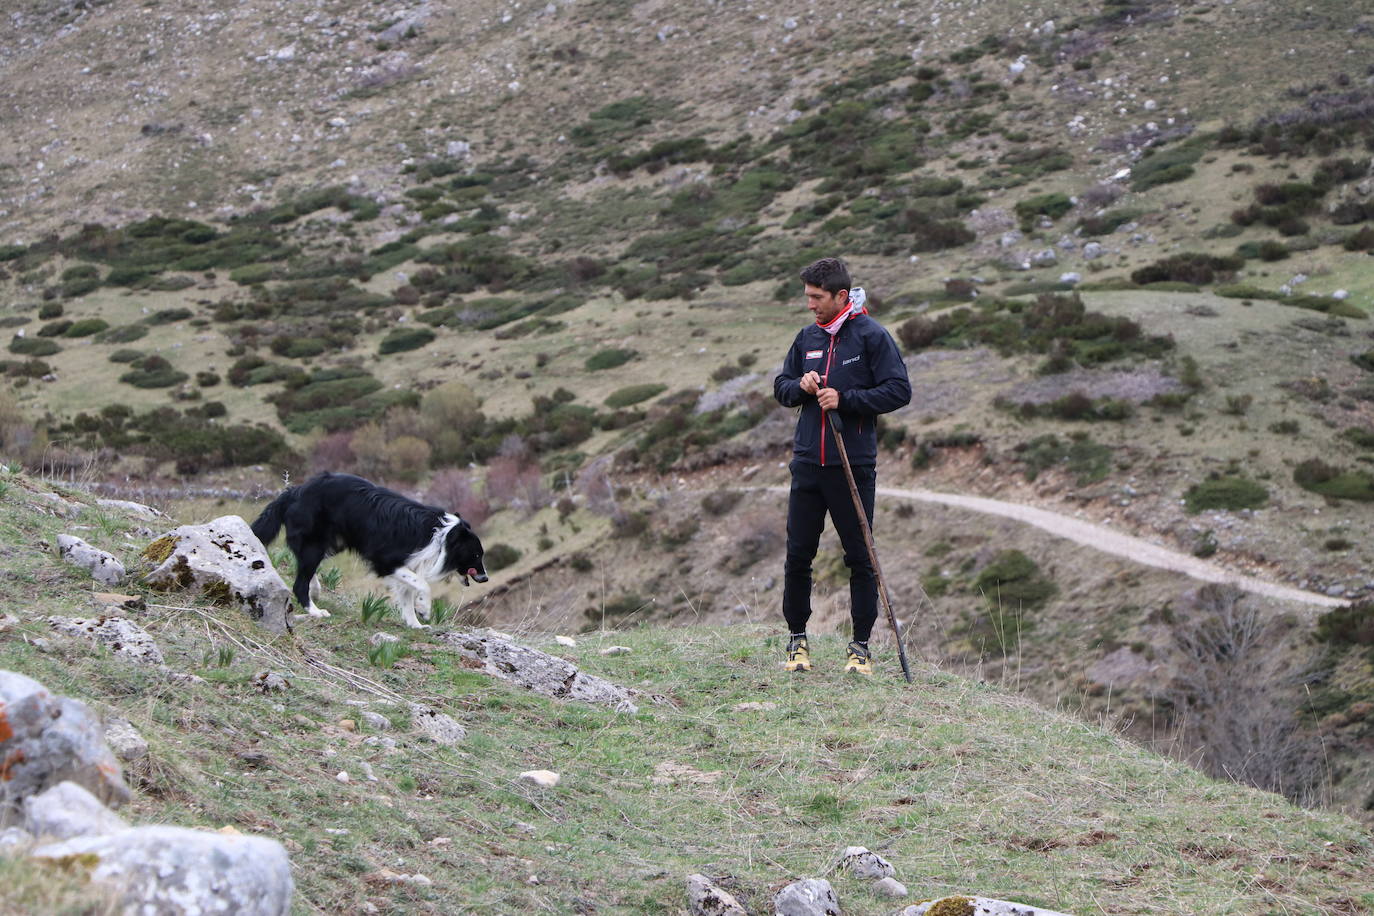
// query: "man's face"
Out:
[825,306]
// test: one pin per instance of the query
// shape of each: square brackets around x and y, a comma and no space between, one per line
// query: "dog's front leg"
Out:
[419,596]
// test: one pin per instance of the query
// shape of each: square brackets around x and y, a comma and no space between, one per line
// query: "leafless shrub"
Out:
[1235,693]
[757,534]
[515,482]
[332,452]
[1103,194]
[452,489]
[374,78]
[594,483]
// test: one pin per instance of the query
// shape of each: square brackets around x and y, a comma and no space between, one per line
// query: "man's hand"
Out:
[828,398]
[810,382]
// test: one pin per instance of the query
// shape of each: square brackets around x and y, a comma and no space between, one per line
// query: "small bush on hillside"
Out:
[634,394]
[1013,578]
[399,340]
[1362,240]
[126,356]
[127,333]
[1088,461]
[1328,480]
[720,502]
[1052,205]
[153,372]
[609,358]
[55,328]
[86,327]
[50,310]
[33,346]
[1164,166]
[1231,493]
[499,556]
[1189,267]
[1351,625]
[168,316]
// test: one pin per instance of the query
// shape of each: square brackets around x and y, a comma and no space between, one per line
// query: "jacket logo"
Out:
[814,354]
[852,359]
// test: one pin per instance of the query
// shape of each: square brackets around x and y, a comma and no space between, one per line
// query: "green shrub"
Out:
[55,328]
[499,556]
[168,316]
[1330,481]
[126,356]
[633,394]
[1163,166]
[609,358]
[86,327]
[1351,625]
[1088,461]
[153,372]
[126,333]
[399,340]
[1188,267]
[50,310]
[1052,205]
[1229,493]
[33,346]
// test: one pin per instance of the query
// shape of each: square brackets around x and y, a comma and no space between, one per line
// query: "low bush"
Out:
[1189,267]
[1051,205]
[399,340]
[86,327]
[126,356]
[1225,492]
[1088,461]
[153,372]
[33,346]
[1350,625]
[609,358]
[1333,482]
[634,394]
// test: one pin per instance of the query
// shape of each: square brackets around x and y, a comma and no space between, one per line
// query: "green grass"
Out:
[963,787]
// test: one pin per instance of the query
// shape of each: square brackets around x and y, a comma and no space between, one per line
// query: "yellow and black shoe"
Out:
[798,656]
[860,661]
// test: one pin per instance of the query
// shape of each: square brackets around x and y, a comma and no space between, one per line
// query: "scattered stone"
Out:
[386,876]
[1072,276]
[1092,251]
[809,897]
[544,778]
[976,906]
[103,567]
[1341,294]
[753,706]
[67,810]
[866,864]
[14,841]
[131,508]
[1045,258]
[439,727]
[565,641]
[270,682]
[126,743]
[224,561]
[704,898]
[538,671]
[669,773]
[120,634]
[343,777]
[889,887]
[375,720]
[165,870]
[616,650]
[348,725]
[379,638]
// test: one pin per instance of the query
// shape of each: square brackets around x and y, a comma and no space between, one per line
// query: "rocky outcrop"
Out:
[809,897]
[122,636]
[705,899]
[538,671]
[222,560]
[976,906]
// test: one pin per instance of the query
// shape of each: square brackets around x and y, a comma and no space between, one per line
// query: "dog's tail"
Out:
[269,523]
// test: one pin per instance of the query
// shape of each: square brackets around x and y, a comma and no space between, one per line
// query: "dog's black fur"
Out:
[406,542]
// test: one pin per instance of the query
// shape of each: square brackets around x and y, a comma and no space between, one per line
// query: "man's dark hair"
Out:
[830,274]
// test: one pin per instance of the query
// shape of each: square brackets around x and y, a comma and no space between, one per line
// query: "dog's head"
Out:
[463,553]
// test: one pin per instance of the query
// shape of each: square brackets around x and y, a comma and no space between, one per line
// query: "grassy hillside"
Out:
[538,264]
[962,786]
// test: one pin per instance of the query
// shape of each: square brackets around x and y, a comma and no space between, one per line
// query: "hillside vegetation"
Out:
[537,263]
[729,768]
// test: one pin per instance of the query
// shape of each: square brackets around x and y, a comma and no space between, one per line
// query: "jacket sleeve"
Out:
[891,385]
[787,383]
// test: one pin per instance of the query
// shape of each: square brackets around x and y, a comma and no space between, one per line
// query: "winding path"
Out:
[1100,537]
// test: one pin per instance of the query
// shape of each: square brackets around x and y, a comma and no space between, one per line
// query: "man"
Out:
[845,362]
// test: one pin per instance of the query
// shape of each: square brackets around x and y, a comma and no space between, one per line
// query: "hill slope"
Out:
[961,786]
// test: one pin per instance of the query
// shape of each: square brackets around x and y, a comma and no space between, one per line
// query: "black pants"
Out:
[815,491]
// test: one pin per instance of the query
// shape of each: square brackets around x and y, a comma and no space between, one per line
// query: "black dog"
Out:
[406,542]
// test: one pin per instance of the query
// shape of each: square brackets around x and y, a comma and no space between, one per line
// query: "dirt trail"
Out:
[1100,537]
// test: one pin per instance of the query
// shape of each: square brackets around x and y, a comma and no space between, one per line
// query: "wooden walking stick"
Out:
[838,427]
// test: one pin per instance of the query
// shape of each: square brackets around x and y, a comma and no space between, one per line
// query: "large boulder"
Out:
[103,567]
[175,871]
[538,671]
[224,561]
[977,906]
[45,739]
[809,897]
[705,899]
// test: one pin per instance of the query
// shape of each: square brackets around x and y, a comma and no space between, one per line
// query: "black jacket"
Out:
[862,363]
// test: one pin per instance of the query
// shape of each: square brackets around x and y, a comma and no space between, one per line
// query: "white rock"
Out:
[342,776]
[860,861]
[545,778]
[102,566]
[1072,276]
[616,650]
[173,870]
[121,635]
[538,671]
[565,641]
[705,899]
[889,887]
[811,897]
[439,727]
[1341,294]
[128,745]
[982,906]
[67,810]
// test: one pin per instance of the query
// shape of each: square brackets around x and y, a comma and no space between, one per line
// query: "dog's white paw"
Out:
[315,611]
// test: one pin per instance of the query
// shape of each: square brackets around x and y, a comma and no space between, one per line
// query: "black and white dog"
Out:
[407,543]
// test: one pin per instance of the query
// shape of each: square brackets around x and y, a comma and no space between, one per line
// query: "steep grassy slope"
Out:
[961,786]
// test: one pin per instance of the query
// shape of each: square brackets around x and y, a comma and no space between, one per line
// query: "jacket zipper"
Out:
[825,383]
